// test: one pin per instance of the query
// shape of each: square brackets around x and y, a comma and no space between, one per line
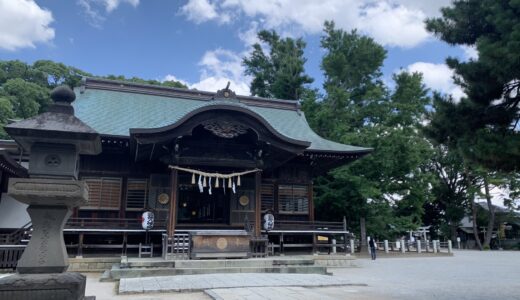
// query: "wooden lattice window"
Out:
[267,196]
[136,194]
[103,193]
[293,199]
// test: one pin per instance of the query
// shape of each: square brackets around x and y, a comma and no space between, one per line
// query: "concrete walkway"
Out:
[193,283]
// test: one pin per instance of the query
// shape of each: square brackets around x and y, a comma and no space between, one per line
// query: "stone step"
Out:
[235,263]
[218,263]
[151,264]
[106,276]
[117,273]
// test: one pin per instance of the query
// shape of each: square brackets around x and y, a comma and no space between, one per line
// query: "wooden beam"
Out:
[258,203]
[172,218]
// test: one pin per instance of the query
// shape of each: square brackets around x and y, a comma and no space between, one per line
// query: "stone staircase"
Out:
[134,268]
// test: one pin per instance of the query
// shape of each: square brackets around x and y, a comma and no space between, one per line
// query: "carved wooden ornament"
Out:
[225,129]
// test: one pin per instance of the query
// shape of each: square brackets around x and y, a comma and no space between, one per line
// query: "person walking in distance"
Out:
[372,245]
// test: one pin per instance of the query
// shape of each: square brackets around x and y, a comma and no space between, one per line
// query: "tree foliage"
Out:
[491,82]
[389,186]
[280,73]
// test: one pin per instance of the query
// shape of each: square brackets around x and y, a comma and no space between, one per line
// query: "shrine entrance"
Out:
[220,206]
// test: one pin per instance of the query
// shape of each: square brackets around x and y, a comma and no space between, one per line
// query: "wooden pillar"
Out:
[314,243]
[80,244]
[125,242]
[122,206]
[310,198]
[258,204]
[172,218]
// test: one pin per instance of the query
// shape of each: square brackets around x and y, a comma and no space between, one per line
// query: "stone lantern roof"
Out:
[56,126]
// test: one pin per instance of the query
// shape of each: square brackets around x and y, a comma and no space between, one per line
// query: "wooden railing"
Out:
[17,237]
[110,223]
[309,226]
[176,247]
[117,223]
[9,255]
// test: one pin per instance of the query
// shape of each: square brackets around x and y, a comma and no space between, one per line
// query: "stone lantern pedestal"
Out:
[41,270]
[50,205]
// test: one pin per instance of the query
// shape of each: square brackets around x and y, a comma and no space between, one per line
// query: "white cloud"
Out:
[214,84]
[470,52]
[217,68]
[390,22]
[93,13]
[432,8]
[394,25]
[200,11]
[171,77]
[110,5]
[23,23]
[438,77]
[220,66]
[250,36]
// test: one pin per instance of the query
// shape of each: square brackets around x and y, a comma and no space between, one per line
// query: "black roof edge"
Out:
[148,89]
[362,151]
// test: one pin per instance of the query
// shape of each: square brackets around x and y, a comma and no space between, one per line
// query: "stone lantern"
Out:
[54,140]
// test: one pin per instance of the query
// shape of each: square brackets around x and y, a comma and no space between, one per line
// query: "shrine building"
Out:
[204,164]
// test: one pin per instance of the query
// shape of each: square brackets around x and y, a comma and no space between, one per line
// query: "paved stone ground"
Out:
[467,275]
[261,293]
[191,283]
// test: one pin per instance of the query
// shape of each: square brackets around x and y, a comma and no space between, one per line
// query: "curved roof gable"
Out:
[113,108]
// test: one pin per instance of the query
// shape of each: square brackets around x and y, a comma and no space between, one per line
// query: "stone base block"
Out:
[56,286]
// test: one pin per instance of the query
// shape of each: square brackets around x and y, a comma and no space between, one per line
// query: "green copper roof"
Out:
[112,112]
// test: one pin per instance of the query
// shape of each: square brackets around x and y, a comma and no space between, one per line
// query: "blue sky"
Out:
[201,42]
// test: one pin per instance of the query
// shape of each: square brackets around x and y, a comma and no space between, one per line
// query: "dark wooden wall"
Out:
[117,161]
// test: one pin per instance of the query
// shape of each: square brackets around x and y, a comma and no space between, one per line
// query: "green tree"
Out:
[281,73]
[169,83]
[58,73]
[491,82]
[27,98]
[449,191]
[6,113]
[13,69]
[389,186]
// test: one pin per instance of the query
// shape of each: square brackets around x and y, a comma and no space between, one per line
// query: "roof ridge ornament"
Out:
[225,94]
